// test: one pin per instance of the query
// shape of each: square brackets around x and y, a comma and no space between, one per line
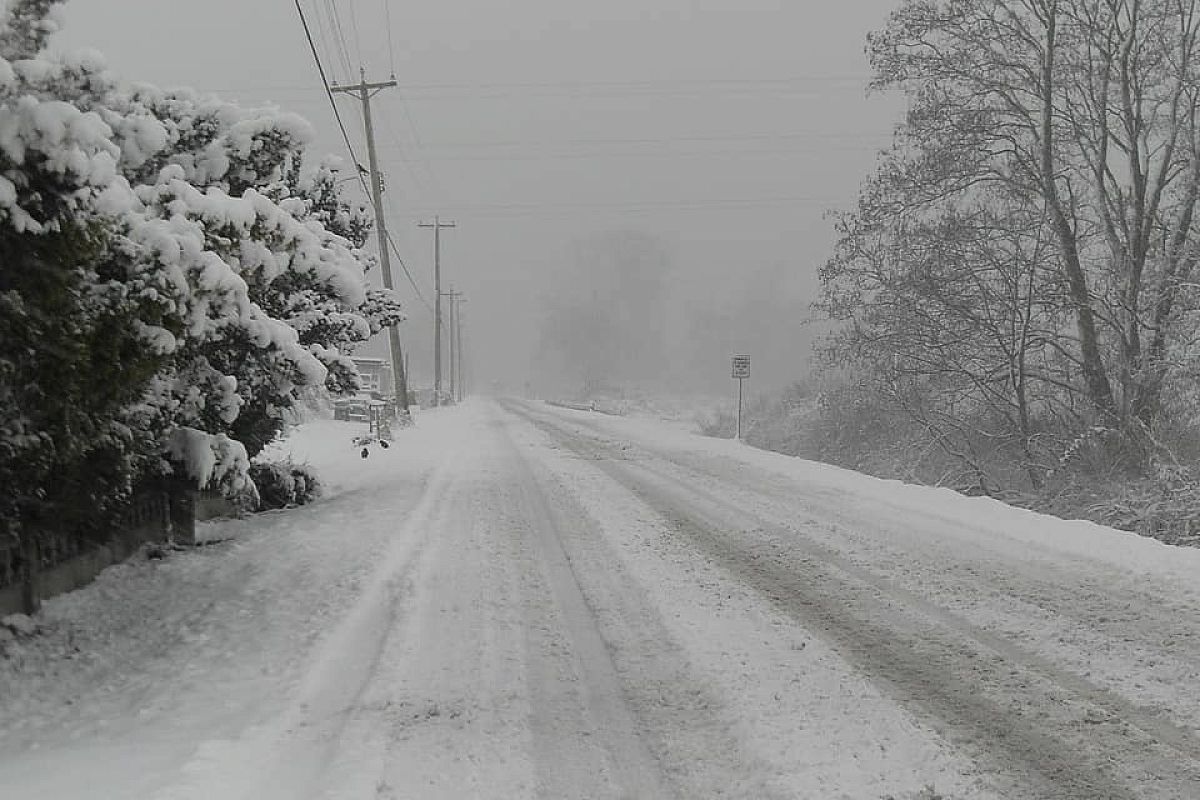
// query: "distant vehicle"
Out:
[351,409]
[358,408]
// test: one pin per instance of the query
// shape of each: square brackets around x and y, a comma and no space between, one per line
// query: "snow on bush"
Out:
[283,484]
[175,274]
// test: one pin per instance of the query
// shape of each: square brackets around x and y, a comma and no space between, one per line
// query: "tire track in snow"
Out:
[1105,611]
[1033,582]
[784,536]
[685,731]
[503,678]
[1112,617]
[1013,709]
[286,759]
[445,714]
[632,766]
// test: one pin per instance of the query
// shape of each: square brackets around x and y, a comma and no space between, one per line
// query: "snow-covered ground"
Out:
[517,601]
[135,672]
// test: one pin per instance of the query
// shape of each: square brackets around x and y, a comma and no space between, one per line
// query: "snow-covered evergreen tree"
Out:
[74,314]
[170,277]
[286,233]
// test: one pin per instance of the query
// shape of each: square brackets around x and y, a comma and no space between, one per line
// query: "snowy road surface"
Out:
[518,601]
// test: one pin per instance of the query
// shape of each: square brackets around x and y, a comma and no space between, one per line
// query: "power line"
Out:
[865,147]
[321,11]
[698,83]
[639,204]
[387,17]
[322,30]
[559,208]
[403,150]
[416,132]
[632,87]
[349,147]
[357,39]
[407,274]
[340,36]
[337,114]
[605,140]
[335,26]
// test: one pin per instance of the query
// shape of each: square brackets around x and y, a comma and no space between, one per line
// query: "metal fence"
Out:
[68,559]
[8,561]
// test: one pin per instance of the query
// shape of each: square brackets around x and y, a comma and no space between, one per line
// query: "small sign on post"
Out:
[741,371]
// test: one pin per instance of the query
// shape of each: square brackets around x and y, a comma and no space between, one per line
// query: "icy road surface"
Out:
[517,601]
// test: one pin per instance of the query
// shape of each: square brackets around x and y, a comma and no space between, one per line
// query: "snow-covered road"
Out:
[519,601]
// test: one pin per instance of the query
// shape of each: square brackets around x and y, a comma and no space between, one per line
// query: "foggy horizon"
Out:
[649,550]
[721,132]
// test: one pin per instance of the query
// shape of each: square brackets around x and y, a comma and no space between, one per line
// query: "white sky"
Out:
[727,128]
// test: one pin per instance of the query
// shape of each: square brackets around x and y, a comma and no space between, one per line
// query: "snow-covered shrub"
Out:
[284,484]
[719,423]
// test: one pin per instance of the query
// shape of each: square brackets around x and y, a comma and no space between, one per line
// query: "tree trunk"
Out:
[1096,382]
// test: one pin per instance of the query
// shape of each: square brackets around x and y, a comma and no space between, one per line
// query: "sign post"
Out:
[741,371]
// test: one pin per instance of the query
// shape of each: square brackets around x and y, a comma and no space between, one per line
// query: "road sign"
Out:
[741,371]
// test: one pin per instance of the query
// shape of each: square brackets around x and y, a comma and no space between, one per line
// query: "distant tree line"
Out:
[603,322]
[173,274]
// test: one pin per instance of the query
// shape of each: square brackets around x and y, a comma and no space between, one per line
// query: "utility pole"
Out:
[364,91]
[455,334]
[462,370]
[437,226]
[451,296]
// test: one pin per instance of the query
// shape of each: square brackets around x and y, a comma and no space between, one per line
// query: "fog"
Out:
[640,187]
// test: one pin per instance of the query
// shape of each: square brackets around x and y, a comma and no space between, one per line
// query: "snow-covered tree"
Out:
[171,277]
[76,316]
[286,233]
[328,325]
[1024,253]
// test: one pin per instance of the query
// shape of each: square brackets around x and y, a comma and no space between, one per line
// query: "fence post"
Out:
[31,565]
[181,511]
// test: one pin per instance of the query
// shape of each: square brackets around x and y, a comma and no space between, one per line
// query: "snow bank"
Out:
[127,676]
[979,517]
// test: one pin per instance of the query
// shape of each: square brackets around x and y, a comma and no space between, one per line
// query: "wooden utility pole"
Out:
[437,226]
[451,297]
[364,91]
[462,370]
[455,333]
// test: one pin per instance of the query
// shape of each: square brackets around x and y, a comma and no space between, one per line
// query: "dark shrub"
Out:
[284,484]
